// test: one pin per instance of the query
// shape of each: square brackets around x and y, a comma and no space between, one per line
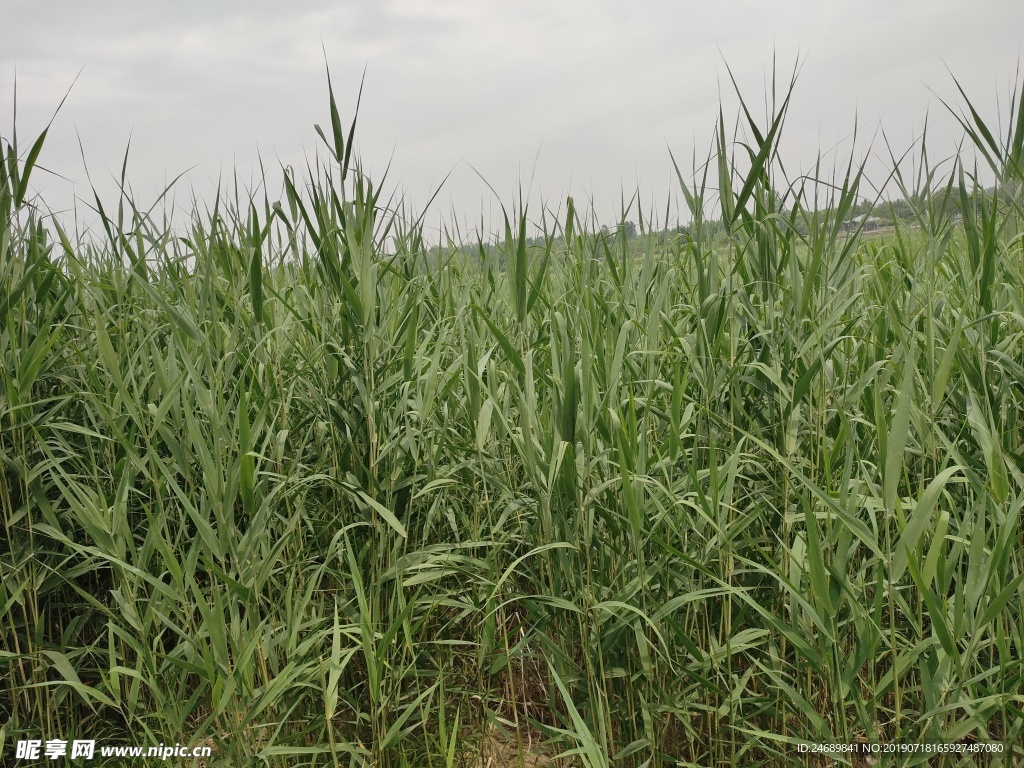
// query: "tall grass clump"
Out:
[291,482]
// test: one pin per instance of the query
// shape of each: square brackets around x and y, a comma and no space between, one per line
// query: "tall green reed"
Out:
[293,481]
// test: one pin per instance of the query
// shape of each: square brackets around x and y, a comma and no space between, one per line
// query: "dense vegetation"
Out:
[293,482]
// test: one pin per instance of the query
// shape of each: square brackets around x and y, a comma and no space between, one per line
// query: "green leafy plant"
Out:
[299,483]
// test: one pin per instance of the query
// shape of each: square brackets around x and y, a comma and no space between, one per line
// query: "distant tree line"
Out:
[943,203]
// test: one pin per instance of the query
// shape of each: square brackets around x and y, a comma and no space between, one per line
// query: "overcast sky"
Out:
[591,94]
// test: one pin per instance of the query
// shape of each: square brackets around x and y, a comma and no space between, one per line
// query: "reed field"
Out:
[295,483]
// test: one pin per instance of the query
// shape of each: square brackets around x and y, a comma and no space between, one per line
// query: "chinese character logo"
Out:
[28,750]
[82,749]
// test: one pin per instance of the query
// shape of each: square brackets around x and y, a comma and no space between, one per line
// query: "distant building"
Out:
[864,222]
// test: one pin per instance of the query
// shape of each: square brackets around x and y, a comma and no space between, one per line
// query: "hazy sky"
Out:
[593,94]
